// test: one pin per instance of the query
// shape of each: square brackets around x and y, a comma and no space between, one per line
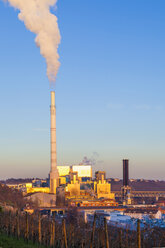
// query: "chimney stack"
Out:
[125,172]
[54,175]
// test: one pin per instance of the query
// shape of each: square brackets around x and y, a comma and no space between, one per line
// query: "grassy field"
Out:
[10,242]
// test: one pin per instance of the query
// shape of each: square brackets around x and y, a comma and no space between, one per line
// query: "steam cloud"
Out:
[38,19]
[90,161]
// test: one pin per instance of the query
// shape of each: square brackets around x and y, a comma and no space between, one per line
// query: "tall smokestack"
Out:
[54,175]
[125,172]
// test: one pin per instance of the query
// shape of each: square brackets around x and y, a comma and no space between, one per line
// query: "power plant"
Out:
[73,185]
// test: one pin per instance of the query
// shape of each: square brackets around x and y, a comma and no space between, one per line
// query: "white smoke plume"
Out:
[38,19]
[90,161]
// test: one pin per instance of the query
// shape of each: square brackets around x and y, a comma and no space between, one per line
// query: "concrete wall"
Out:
[43,199]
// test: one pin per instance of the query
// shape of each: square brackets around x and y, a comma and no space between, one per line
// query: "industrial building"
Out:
[84,172]
[101,187]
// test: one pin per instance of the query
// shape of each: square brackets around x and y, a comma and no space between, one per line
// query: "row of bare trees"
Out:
[70,233]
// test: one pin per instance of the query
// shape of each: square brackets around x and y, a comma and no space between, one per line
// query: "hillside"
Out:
[139,185]
[11,197]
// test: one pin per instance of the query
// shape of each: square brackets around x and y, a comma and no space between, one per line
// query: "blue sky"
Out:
[109,90]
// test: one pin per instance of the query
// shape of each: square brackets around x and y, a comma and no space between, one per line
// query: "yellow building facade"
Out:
[38,189]
[73,188]
[103,189]
[63,170]
[82,170]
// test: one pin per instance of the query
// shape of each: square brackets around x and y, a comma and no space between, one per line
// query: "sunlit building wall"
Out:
[83,170]
[63,170]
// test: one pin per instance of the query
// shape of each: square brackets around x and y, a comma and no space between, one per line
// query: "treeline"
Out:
[74,233]
[17,180]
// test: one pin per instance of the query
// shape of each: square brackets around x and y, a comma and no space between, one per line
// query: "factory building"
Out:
[63,170]
[140,213]
[102,188]
[100,175]
[83,173]
[82,170]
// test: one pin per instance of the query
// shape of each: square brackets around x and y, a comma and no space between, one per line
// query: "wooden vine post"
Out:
[93,231]
[64,233]
[106,233]
[138,234]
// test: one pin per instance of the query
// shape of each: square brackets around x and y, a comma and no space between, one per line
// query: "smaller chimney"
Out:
[125,172]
